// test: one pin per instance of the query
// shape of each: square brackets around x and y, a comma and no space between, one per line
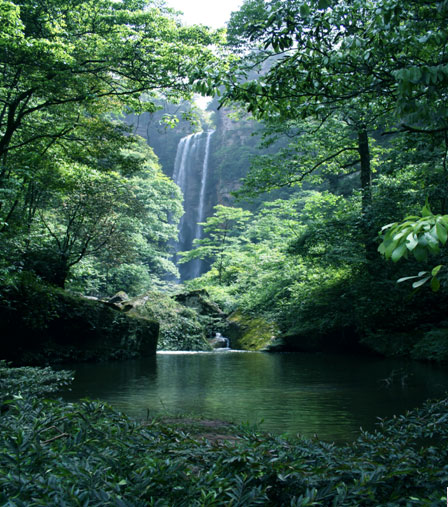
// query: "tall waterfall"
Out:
[191,173]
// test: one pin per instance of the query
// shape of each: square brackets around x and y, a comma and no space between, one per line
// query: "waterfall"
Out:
[201,208]
[221,340]
[191,171]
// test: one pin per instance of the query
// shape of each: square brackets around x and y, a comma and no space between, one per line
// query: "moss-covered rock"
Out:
[201,302]
[41,325]
[250,333]
[181,327]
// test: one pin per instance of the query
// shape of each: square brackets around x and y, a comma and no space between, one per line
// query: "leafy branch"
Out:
[419,236]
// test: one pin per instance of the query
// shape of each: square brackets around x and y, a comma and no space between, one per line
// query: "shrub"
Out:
[433,346]
[30,382]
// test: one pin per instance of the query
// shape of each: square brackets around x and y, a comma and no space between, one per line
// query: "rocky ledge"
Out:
[43,325]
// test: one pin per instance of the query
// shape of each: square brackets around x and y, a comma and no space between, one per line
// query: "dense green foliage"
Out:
[30,382]
[300,263]
[421,237]
[81,200]
[59,453]
[352,99]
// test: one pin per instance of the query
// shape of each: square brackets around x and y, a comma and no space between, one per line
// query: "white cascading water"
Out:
[191,171]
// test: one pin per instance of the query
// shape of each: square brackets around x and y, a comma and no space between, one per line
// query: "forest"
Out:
[304,211]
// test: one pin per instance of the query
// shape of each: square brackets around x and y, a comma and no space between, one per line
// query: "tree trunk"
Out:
[366,194]
[60,271]
[366,174]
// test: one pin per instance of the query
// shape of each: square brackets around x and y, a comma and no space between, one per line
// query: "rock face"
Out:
[233,147]
[118,298]
[250,333]
[47,326]
[199,300]
[188,321]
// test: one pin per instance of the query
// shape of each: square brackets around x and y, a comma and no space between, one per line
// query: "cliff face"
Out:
[162,138]
[233,146]
[208,168]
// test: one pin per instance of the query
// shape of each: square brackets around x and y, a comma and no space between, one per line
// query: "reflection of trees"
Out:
[331,396]
[119,383]
[253,387]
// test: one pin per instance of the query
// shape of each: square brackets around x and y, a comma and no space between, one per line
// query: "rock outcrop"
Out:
[250,333]
[43,325]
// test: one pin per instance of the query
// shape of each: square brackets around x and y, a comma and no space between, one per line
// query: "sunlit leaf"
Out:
[435,284]
[442,233]
[436,270]
[398,253]
[421,282]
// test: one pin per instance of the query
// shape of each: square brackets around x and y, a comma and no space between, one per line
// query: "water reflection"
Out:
[331,396]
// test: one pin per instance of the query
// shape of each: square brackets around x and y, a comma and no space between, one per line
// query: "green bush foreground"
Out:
[57,453]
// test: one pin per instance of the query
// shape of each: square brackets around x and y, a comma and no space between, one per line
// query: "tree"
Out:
[369,65]
[62,62]
[376,57]
[111,219]
[317,72]
[302,152]
[221,231]
[87,217]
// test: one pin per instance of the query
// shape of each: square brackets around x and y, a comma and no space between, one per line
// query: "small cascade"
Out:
[191,171]
[220,342]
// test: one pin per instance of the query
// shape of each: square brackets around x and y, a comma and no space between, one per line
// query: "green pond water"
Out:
[307,394]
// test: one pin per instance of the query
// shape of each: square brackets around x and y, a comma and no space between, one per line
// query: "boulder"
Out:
[219,342]
[199,301]
[44,325]
[250,333]
[119,297]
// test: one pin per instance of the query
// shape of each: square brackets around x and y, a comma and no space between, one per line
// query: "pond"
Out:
[331,396]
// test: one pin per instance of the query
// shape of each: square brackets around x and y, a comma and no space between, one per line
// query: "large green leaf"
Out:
[411,241]
[441,232]
[436,270]
[399,252]
[435,284]
[420,253]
